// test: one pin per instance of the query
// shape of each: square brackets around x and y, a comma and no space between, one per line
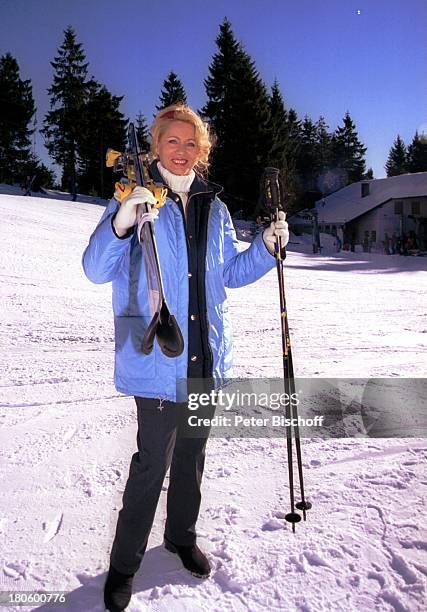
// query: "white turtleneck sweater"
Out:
[179,184]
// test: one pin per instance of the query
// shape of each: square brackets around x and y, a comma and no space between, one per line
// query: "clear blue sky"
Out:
[329,56]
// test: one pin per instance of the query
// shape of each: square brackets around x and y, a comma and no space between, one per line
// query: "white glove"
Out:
[126,216]
[276,228]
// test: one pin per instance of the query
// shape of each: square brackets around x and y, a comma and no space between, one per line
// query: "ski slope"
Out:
[67,436]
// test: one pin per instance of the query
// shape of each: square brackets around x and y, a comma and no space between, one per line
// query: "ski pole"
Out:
[273,203]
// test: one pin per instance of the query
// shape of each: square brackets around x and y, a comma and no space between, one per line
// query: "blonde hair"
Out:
[182,112]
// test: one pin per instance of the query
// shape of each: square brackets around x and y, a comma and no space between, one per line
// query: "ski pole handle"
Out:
[273,199]
[273,203]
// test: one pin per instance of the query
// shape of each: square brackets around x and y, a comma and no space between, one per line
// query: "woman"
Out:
[199,257]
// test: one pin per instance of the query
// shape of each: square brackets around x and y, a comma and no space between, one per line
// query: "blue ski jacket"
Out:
[109,258]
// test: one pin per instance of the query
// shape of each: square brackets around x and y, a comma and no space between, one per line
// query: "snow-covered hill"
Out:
[67,436]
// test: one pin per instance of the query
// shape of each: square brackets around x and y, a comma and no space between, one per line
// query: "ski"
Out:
[163,326]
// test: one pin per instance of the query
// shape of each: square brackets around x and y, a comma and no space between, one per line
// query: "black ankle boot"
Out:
[117,590]
[192,558]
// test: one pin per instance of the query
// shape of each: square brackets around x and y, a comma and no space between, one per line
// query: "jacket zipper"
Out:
[206,311]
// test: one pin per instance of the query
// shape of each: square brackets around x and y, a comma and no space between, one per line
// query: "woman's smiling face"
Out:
[177,148]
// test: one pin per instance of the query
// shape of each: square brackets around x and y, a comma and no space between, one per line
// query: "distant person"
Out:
[200,257]
[414,239]
[366,244]
[386,244]
[404,245]
[411,242]
[27,184]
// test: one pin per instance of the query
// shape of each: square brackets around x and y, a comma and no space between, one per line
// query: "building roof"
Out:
[347,203]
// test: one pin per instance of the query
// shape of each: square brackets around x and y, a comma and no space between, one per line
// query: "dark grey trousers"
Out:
[161,444]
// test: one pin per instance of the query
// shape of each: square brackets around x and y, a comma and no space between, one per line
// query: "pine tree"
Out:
[64,123]
[348,151]
[238,110]
[16,111]
[37,175]
[219,84]
[292,180]
[173,91]
[279,131]
[417,154]
[284,148]
[104,127]
[286,141]
[294,127]
[308,164]
[323,145]
[142,132]
[396,161]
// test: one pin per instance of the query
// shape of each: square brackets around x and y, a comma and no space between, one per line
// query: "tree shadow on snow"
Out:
[359,262]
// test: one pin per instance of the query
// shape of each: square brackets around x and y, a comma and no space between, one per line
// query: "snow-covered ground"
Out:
[67,436]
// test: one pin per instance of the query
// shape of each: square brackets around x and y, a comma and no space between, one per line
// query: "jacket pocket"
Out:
[130,360]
